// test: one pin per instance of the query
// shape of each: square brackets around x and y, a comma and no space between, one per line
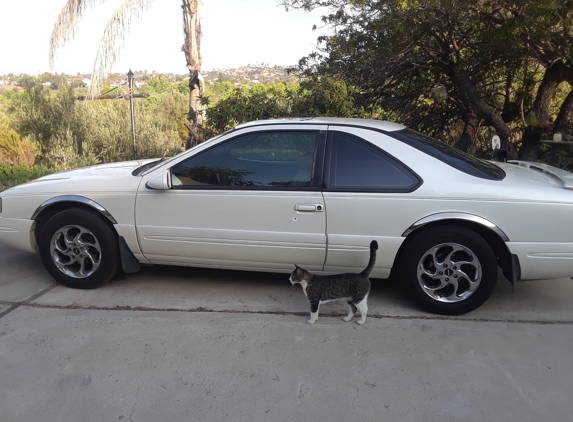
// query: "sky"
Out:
[235,33]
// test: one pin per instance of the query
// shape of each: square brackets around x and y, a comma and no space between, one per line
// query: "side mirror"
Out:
[160,182]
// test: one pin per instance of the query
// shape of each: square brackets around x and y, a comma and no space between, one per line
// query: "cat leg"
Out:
[313,311]
[363,308]
[351,311]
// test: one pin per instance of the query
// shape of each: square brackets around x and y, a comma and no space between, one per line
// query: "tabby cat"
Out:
[326,288]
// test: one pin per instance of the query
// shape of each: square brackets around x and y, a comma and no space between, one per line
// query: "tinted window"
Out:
[449,155]
[359,165]
[261,159]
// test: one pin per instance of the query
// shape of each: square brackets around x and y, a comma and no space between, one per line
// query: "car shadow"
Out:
[213,288]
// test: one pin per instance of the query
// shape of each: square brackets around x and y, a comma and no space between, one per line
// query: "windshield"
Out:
[449,155]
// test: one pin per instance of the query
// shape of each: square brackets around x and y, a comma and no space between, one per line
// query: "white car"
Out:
[313,192]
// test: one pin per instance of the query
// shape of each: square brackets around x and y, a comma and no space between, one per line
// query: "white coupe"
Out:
[313,192]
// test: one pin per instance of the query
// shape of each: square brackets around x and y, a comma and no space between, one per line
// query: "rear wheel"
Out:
[79,249]
[448,270]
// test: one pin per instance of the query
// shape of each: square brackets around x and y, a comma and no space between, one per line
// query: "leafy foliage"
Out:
[497,59]
[14,150]
[324,96]
[12,175]
[239,105]
[45,116]
[69,133]
[158,84]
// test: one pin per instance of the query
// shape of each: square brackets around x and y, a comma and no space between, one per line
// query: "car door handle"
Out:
[309,207]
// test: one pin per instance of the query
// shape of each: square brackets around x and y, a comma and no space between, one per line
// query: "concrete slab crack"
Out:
[302,314]
[7,311]
[16,305]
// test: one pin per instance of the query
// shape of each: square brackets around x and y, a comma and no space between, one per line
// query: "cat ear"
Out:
[297,267]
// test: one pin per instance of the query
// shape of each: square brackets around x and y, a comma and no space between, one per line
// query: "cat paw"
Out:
[346,318]
[360,322]
[310,321]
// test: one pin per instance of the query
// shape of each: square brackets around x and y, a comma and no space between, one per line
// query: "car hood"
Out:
[98,178]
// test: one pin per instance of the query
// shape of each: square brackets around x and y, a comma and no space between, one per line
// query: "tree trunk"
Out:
[564,120]
[552,78]
[192,50]
[529,150]
[475,105]
[469,134]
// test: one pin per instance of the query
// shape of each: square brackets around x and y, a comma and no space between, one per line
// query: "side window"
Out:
[358,165]
[261,159]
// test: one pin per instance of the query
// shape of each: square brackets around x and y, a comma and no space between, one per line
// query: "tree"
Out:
[116,29]
[321,96]
[492,57]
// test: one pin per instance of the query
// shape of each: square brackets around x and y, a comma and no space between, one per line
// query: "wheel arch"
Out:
[52,206]
[492,234]
[60,203]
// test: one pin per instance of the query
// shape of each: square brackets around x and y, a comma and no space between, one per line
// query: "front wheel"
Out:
[448,270]
[79,249]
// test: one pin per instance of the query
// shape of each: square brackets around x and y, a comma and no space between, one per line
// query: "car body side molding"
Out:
[74,198]
[456,216]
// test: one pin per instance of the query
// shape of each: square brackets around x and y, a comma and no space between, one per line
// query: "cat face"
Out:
[299,275]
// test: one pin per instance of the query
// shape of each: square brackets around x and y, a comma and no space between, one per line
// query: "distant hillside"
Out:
[242,76]
[248,74]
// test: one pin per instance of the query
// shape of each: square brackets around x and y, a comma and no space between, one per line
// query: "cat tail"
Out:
[370,266]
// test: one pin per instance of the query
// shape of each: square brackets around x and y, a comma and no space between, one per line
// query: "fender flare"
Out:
[456,216]
[74,198]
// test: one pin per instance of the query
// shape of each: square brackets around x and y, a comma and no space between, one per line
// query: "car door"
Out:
[251,201]
[365,194]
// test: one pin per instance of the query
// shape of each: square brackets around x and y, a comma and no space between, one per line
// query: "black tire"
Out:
[90,255]
[448,252]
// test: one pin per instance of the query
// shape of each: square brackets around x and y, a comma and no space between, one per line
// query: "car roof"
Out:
[333,121]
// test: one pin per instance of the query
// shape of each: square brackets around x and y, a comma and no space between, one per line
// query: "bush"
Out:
[311,97]
[71,134]
[13,150]
[12,175]
[108,130]
[44,115]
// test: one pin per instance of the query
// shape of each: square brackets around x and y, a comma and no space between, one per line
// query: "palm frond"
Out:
[115,31]
[67,23]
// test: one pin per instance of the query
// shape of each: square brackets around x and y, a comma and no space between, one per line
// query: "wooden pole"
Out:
[130,82]
[130,96]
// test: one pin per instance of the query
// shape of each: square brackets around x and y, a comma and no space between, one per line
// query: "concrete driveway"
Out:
[183,344]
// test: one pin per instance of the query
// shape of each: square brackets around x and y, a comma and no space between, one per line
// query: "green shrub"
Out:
[14,150]
[69,133]
[44,115]
[12,175]
[108,129]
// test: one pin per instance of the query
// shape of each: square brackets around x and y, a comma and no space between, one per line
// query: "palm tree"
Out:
[115,31]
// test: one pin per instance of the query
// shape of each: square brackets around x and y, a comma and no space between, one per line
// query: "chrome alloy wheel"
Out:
[75,251]
[449,272]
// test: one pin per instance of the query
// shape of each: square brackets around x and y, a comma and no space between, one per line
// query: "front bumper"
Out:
[18,234]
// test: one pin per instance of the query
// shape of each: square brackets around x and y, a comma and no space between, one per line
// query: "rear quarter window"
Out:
[451,156]
[359,166]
